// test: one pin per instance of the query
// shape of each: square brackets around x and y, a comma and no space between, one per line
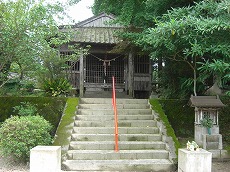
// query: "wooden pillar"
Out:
[81,75]
[131,74]
[126,75]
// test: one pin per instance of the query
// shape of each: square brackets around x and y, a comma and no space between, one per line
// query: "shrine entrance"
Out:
[99,69]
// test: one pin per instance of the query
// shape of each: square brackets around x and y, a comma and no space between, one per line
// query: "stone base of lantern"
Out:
[212,142]
[194,161]
[200,131]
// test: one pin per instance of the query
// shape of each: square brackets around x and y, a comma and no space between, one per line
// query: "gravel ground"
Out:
[7,165]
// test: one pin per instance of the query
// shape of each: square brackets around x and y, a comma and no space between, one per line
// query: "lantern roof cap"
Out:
[206,101]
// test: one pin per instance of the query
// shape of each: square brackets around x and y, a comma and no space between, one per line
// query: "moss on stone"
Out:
[156,106]
[65,127]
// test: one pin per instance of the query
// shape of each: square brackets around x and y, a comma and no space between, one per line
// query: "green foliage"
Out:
[56,87]
[206,122]
[138,13]
[29,38]
[25,28]
[20,134]
[51,108]
[218,68]
[180,116]
[170,131]
[171,79]
[192,34]
[25,109]
[224,119]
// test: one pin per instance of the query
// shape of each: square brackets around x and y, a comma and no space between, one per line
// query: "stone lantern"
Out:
[207,107]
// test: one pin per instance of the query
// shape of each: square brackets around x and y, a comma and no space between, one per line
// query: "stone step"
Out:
[122,137]
[121,130]
[110,106]
[121,123]
[111,112]
[121,154]
[212,145]
[109,101]
[212,138]
[140,143]
[111,117]
[95,92]
[123,145]
[142,165]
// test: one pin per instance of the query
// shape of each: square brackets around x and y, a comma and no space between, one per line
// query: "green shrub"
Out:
[20,134]
[56,87]
[51,108]
[15,87]
[25,109]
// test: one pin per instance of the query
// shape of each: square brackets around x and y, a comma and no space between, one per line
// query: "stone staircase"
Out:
[140,143]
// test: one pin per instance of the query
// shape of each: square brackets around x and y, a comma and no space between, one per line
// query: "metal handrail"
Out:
[115,116]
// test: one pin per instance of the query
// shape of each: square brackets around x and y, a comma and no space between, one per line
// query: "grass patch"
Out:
[170,132]
[66,124]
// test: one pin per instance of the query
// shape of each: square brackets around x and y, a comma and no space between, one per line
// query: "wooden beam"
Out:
[81,75]
[131,74]
[126,76]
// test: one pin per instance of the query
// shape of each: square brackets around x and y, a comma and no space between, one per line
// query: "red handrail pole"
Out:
[115,116]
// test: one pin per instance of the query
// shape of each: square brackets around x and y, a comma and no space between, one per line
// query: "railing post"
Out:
[115,115]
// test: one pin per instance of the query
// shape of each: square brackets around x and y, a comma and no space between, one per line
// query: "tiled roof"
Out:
[104,35]
[205,101]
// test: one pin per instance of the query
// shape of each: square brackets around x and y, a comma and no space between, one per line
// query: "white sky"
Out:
[81,10]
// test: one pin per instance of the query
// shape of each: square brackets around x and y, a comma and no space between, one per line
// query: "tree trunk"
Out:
[194,83]
[4,71]
[194,77]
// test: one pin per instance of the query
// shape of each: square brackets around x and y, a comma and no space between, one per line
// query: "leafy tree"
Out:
[191,34]
[30,37]
[172,30]
[138,13]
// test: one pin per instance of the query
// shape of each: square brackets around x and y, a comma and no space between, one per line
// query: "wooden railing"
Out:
[115,116]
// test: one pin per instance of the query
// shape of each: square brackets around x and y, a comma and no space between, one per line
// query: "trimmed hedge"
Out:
[180,115]
[224,119]
[51,108]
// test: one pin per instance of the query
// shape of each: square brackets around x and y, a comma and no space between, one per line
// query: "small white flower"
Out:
[192,146]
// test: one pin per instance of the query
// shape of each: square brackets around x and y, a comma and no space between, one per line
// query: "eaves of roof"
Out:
[103,35]
[206,101]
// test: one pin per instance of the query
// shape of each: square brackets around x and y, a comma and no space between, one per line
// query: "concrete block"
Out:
[216,154]
[211,142]
[45,159]
[225,154]
[194,161]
